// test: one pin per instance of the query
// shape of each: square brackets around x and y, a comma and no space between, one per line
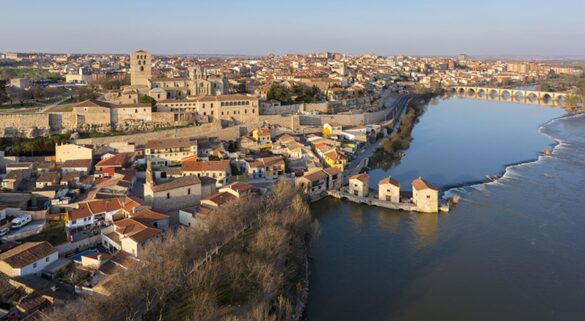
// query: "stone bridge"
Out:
[513,95]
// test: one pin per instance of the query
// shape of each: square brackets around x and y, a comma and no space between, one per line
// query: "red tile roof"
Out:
[118,160]
[421,184]
[215,166]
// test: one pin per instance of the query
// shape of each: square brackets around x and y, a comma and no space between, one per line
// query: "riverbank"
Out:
[392,148]
[509,249]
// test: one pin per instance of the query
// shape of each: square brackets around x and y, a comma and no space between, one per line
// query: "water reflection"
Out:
[511,250]
[424,229]
[389,221]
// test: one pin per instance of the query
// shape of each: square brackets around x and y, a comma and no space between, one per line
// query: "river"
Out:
[511,250]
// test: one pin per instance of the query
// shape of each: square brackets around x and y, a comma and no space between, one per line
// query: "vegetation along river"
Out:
[512,249]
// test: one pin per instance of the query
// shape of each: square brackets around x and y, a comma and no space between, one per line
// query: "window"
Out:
[141,68]
[168,195]
[35,265]
[188,191]
[47,259]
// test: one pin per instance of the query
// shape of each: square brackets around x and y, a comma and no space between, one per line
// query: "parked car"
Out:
[4,231]
[20,221]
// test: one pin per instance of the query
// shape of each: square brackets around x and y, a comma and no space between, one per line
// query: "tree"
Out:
[147,100]
[3,93]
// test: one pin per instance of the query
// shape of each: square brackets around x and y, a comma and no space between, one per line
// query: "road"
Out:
[399,104]
[44,109]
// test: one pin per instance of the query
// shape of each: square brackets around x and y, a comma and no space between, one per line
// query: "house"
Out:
[95,260]
[151,218]
[197,218]
[91,213]
[219,170]
[389,190]
[168,151]
[19,166]
[262,138]
[82,166]
[335,158]
[173,193]
[15,180]
[65,152]
[267,167]
[129,235]
[358,185]
[48,179]
[334,178]
[27,259]
[108,166]
[240,189]
[425,196]
[314,183]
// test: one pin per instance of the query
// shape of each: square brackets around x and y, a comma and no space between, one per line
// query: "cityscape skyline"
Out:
[386,28]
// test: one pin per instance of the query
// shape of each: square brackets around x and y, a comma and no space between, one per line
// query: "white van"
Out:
[20,221]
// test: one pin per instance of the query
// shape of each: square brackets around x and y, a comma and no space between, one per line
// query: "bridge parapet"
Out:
[525,95]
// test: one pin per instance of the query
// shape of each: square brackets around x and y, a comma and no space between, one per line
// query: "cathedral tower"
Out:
[140,68]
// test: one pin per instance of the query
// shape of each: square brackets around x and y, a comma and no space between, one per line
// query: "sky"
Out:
[259,27]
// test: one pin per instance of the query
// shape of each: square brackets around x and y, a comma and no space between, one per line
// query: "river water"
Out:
[512,249]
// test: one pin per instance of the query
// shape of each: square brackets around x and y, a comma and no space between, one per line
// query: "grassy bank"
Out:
[391,149]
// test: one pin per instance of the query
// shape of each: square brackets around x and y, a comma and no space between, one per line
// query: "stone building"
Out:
[199,82]
[166,194]
[140,68]
[65,152]
[219,170]
[168,151]
[425,196]
[358,185]
[239,108]
[389,190]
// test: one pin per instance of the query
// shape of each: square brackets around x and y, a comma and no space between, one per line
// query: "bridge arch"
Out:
[519,96]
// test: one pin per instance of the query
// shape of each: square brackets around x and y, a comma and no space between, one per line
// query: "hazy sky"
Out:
[413,27]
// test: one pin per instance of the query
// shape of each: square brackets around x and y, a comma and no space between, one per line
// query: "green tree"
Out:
[3,93]
[147,100]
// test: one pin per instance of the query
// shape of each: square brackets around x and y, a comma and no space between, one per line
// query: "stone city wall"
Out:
[205,130]
[284,121]
[24,125]
[266,109]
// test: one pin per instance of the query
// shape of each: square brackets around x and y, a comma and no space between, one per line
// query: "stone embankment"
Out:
[372,201]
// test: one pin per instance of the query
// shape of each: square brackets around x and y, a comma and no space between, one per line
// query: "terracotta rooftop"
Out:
[27,253]
[76,163]
[177,182]
[220,198]
[193,166]
[421,184]
[118,160]
[389,180]
[361,177]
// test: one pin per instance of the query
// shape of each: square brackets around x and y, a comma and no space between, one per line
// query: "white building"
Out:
[28,259]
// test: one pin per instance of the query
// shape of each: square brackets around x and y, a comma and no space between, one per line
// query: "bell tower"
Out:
[140,68]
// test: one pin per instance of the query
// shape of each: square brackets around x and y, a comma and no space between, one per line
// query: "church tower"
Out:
[140,68]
